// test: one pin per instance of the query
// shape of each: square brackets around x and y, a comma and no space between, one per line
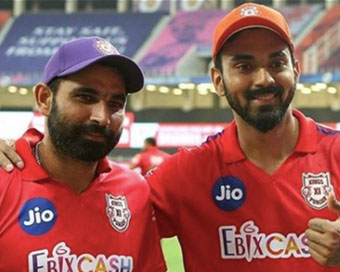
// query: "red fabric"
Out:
[83,235]
[266,231]
[150,158]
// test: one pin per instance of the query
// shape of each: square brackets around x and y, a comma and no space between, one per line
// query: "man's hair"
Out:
[54,84]
[219,64]
[151,141]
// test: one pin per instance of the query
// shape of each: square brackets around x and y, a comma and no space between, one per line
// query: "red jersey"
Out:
[46,226]
[230,215]
[149,158]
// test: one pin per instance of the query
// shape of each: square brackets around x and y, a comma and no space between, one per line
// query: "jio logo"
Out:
[37,216]
[229,193]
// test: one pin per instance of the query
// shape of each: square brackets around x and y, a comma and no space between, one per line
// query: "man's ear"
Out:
[43,98]
[297,71]
[217,80]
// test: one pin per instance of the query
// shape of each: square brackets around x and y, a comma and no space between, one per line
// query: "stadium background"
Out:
[171,40]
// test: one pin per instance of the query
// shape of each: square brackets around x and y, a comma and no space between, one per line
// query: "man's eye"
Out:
[116,104]
[278,64]
[85,97]
[244,66]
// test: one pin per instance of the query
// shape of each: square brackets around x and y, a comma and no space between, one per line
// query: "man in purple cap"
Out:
[70,208]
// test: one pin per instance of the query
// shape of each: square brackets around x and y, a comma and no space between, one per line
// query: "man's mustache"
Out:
[96,129]
[255,93]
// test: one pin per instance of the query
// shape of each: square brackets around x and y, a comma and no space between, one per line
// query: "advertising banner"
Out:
[33,38]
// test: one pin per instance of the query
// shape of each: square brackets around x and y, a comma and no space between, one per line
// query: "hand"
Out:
[8,156]
[324,236]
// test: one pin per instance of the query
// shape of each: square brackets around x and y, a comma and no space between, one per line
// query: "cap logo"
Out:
[249,11]
[105,47]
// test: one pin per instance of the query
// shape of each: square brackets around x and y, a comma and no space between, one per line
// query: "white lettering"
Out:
[36,217]
[227,194]
[47,216]
[31,219]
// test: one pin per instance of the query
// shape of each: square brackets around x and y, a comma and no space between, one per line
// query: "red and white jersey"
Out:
[150,158]
[230,215]
[46,226]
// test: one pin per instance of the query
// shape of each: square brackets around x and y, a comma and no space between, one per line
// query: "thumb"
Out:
[333,203]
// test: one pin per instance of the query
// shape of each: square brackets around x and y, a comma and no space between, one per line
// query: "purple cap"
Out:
[77,54]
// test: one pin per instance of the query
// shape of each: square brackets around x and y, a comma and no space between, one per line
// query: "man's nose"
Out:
[100,114]
[263,78]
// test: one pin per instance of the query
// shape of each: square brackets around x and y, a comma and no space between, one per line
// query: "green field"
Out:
[173,254]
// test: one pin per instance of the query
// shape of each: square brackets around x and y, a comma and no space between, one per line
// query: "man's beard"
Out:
[68,138]
[265,117]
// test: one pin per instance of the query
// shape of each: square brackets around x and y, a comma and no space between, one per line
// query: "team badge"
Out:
[105,47]
[249,11]
[315,189]
[118,212]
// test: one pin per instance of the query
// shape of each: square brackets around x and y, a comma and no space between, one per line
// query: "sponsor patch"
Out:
[37,216]
[62,259]
[315,189]
[118,212]
[228,193]
[249,243]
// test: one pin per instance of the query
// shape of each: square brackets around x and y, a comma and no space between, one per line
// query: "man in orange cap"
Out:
[243,199]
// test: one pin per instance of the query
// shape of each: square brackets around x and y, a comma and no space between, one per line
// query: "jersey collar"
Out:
[32,170]
[307,140]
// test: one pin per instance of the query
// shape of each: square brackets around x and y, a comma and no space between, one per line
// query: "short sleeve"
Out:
[10,192]
[163,183]
[151,256]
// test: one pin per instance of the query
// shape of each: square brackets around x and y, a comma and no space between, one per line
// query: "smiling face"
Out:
[257,77]
[87,113]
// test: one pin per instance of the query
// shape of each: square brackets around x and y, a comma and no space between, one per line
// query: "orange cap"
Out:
[250,15]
